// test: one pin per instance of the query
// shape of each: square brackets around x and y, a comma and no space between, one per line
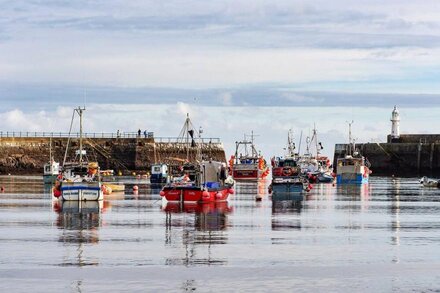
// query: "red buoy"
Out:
[56,192]
[205,195]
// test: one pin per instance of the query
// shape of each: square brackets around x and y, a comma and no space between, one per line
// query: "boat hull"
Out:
[158,179]
[115,187]
[81,191]
[243,175]
[193,194]
[195,207]
[281,190]
[248,175]
[351,178]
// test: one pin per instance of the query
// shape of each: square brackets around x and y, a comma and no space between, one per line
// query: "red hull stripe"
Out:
[195,195]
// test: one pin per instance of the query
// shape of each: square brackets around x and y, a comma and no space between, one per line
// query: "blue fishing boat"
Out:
[353,168]
[287,180]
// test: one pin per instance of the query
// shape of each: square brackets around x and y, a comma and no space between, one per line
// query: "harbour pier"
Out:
[406,155]
[27,152]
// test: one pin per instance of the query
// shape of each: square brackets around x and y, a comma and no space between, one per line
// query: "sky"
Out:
[235,66]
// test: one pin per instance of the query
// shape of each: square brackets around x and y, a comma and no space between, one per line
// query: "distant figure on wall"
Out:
[139,133]
[145,134]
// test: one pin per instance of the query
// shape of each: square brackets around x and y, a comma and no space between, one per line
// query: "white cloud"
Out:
[230,123]
[226,99]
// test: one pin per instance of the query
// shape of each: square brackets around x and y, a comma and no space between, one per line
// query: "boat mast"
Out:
[300,141]
[50,150]
[187,136]
[68,139]
[199,149]
[350,139]
[80,110]
[315,135]
[290,144]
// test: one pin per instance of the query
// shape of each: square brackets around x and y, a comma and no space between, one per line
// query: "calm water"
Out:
[384,236]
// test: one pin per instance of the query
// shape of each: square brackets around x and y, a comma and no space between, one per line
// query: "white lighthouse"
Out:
[395,124]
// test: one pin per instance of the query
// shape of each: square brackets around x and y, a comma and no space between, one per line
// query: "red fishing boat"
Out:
[247,164]
[204,182]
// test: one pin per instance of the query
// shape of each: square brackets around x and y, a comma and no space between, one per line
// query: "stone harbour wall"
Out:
[26,155]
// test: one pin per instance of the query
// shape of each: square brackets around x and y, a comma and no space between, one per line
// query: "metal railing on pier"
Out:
[33,134]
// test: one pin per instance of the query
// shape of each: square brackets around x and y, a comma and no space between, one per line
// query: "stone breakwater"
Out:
[399,159]
[27,155]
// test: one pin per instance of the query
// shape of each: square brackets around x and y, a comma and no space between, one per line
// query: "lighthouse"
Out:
[395,124]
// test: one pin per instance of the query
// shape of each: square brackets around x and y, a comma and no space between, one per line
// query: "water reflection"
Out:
[80,222]
[350,191]
[251,190]
[198,228]
[286,212]
[287,206]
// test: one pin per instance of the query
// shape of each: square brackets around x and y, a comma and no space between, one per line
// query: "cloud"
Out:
[226,53]
[230,123]
[226,99]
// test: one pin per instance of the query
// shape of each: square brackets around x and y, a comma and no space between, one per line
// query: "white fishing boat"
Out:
[80,180]
[50,172]
[159,174]
[430,182]
[50,169]
[313,164]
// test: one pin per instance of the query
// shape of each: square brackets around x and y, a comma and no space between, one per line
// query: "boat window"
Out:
[289,163]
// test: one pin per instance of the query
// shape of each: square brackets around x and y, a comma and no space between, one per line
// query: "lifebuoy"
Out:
[287,172]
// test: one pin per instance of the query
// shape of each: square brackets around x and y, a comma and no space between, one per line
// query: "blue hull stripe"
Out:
[79,188]
[358,180]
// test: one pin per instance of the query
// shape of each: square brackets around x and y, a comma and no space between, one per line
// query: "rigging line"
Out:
[68,139]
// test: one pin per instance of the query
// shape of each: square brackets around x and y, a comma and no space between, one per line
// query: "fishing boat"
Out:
[50,172]
[159,173]
[247,164]
[201,181]
[50,169]
[430,182]
[353,168]
[80,179]
[286,174]
[313,164]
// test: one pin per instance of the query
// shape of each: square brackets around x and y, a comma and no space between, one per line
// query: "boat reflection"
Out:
[79,222]
[286,212]
[251,190]
[199,228]
[349,190]
[208,216]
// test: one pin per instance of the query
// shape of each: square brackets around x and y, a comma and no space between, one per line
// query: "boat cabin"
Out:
[52,168]
[161,169]
[285,167]
[248,161]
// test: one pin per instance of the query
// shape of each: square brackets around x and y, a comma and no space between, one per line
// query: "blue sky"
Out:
[300,58]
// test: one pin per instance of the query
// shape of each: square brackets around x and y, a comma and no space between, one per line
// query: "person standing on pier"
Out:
[139,132]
